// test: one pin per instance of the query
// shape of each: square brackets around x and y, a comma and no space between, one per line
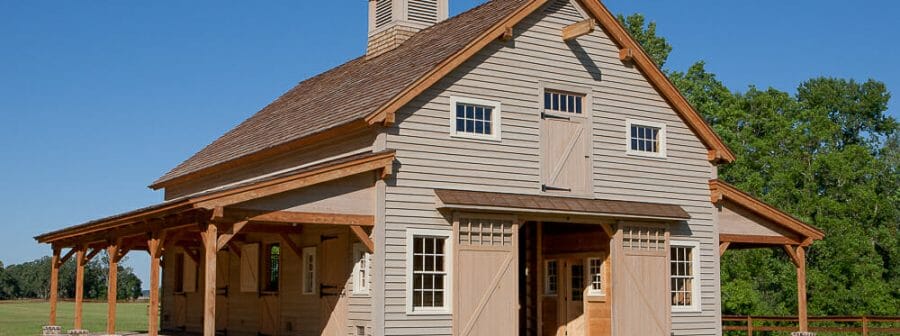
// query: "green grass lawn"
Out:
[27,318]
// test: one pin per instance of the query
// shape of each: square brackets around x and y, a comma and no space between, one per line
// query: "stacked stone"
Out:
[52,331]
[803,333]
[78,332]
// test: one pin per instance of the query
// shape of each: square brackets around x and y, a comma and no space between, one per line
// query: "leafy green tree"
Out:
[645,33]
[827,154]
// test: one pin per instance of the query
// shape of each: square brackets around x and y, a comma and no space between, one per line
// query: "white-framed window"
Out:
[361,269]
[309,270]
[475,118]
[551,277]
[645,138]
[428,271]
[595,276]
[684,275]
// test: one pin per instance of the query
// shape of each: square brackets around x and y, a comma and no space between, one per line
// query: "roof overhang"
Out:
[775,227]
[208,205]
[543,205]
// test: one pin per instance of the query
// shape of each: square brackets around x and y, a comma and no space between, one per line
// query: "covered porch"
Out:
[746,222]
[205,226]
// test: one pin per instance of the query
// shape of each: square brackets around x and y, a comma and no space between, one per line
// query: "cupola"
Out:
[392,22]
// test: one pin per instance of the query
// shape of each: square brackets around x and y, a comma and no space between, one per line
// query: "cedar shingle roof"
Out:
[349,92]
[540,203]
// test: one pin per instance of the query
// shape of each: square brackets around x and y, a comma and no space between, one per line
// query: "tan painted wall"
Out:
[737,221]
[512,73]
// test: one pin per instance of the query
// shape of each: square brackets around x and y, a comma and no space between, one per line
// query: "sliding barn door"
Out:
[565,159]
[641,301]
[223,266]
[486,282]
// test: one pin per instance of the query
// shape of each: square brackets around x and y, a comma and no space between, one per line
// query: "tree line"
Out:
[828,154]
[31,280]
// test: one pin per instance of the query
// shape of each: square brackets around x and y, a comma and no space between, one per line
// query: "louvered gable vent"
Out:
[383,13]
[423,11]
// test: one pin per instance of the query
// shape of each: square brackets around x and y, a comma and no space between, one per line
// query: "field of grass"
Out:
[27,318]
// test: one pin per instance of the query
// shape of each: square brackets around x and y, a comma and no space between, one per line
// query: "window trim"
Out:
[361,287]
[696,299]
[662,138]
[496,119]
[590,280]
[447,309]
[307,251]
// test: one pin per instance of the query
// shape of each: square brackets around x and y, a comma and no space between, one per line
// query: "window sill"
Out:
[268,293]
[686,310]
[647,155]
[361,295]
[595,298]
[476,138]
[444,311]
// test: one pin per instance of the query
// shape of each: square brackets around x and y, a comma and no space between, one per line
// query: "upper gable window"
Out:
[556,101]
[646,138]
[475,118]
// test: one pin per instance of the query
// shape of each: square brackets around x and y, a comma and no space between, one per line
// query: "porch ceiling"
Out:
[555,205]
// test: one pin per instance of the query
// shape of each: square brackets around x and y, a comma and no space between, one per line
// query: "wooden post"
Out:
[801,288]
[865,325]
[112,290]
[209,290]
[153,315]
[749,325]
[79,285]
[54,284]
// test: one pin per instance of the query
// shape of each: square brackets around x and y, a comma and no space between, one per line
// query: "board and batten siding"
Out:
[512,73]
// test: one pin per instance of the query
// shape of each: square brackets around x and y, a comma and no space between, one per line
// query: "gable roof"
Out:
[364,91]
[722,191]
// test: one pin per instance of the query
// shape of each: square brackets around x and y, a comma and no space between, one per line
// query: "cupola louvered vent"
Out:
[383,10]
[423,11]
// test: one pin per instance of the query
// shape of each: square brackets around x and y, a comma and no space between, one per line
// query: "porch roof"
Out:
[199,206]
[477,200]
[750,221]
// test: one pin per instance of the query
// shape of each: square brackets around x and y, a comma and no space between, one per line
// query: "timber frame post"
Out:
[54,283]
[79,285]
[798,256]
[154,245]
[112,290]
[210,237]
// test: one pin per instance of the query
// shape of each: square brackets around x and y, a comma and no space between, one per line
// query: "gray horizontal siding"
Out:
[511,73]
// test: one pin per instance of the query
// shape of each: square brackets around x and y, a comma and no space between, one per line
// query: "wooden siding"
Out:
[337,146]
[512,73]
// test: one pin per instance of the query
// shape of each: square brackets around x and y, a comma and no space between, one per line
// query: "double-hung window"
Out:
[428,283]
[551,277]
[475,118]
[361,269]
[595,273]
[645,138]
[684,275]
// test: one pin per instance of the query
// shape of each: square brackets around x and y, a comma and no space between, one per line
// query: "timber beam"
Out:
[363,237]
[578,29]
[293,217]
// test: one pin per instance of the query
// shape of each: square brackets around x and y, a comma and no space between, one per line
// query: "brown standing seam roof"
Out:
[613,208]
[349,92]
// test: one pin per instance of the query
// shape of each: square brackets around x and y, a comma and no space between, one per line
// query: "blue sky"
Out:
[99,98]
